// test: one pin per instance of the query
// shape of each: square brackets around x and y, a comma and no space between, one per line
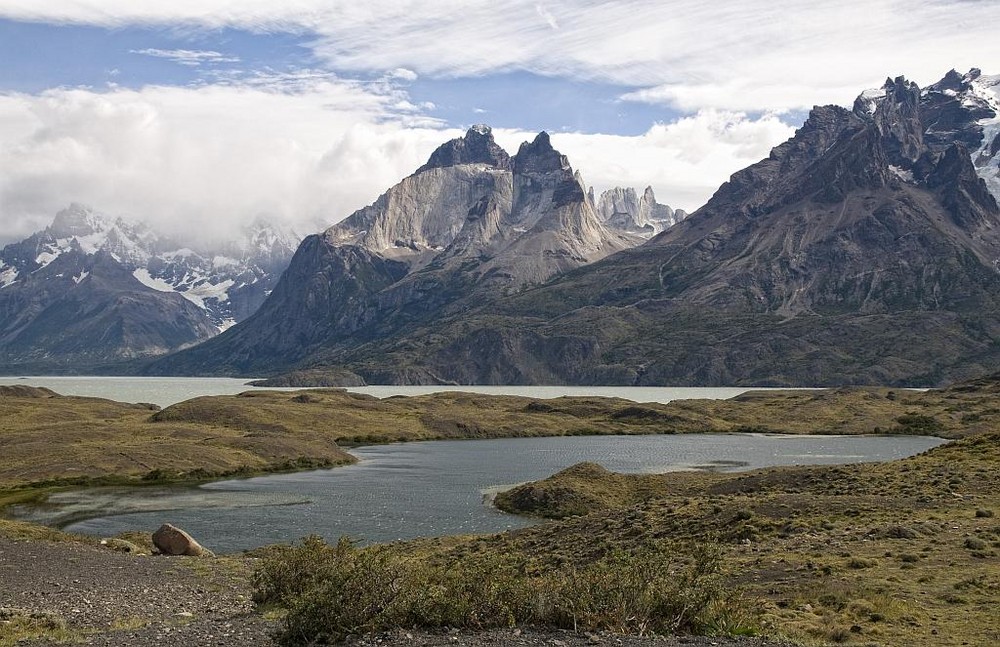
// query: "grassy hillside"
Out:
[893,554]
[45,437]
[897,553]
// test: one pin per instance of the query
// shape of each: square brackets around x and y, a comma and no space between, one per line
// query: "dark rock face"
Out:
[468,226]
[862,250]
[324,292]
[538,156]
[83,311]
[898,120]
[477,147]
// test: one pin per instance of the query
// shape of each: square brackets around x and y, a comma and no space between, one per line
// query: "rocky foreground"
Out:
[58,592]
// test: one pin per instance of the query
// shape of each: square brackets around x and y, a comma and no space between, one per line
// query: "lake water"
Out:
[419,489]
[164,391]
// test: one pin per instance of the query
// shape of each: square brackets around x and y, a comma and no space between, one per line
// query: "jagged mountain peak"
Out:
[900,85]
[227,280]
[955,81]
[454,234]
[538,156]
[622,209]
[476,147]
[78,220]
[918,126]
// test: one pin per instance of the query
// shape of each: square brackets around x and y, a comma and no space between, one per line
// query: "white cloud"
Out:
[549,19]
[196,160]
[188,57]
[684,162]
[403,74]
[752,55]
[309,147]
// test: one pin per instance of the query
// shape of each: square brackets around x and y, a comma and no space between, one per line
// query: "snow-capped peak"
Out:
[78,220]
[228,280]
[868,100]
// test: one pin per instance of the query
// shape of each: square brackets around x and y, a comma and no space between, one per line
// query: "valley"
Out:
[645,323]
[921,522]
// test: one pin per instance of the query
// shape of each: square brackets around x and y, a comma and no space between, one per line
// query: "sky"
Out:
[197,115]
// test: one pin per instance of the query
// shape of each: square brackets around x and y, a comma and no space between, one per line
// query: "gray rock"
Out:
[623,210]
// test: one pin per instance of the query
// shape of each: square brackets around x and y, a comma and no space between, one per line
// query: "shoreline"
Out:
[104,500]
[440,417]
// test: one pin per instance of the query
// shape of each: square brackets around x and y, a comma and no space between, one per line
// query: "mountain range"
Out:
[470,225]
[863,250]
[90,291]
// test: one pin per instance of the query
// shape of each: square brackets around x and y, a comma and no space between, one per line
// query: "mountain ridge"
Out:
[469,224]
[863,250]
[90,290]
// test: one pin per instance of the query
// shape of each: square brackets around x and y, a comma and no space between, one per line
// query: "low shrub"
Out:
[332,592]
[975,543]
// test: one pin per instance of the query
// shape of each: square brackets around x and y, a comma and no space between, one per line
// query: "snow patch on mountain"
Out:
[987,158]
[902,174]
[87,244]
[46,257]
[869,99]
[206,291]
[8,275]
[196,290]
[143,276]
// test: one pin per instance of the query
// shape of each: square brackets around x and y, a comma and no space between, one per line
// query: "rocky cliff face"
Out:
[91,290]
[471,224]
[623,209]
[863,250]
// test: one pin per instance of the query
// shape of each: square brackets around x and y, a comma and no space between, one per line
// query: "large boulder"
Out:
[171,540]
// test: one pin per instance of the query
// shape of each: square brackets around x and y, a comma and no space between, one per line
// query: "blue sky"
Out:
[39,56]
[217,111]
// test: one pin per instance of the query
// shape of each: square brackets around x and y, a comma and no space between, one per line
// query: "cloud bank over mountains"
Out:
[198,160]
[309,146]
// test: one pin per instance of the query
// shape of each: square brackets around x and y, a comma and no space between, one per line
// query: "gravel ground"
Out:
[110,598]
[540,638]
[113,598]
